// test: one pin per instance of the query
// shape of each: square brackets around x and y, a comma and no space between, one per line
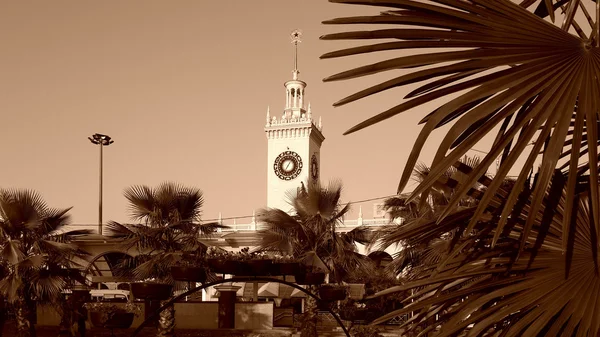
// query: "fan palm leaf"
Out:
[540,301]
[514,72]
[478,290]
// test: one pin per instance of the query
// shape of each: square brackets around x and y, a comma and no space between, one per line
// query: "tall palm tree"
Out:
[36,254]
[421,252]
[309,233]
[507,74]
[171,226]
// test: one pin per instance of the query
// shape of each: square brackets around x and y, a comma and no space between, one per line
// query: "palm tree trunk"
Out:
[308,328]
[166,321]
[32,306]
[66,317]
[23,317]
[3,309]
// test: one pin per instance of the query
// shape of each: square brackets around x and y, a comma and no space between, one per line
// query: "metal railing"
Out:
[347,225]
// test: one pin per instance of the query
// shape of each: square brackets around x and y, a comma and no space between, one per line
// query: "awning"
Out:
[270,289]
[278,290]
[267,290]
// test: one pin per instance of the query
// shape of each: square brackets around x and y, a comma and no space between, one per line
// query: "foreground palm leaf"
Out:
[520,73]
[478,291]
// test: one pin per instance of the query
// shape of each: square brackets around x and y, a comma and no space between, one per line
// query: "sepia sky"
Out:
[183,88]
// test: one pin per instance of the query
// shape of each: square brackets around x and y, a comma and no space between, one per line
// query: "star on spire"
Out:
[296,38]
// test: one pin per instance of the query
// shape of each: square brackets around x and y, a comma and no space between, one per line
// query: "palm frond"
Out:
[308,231]
[171,230]
[279,231]
[141,201]
[513,70]
[276,218]
[155,266]
[486,291]
[12,251]
[10,285]
[30,262]
[54,220]
[20,209]
[189,203]
[70,234]
[361,234]
[48,287]
[276,240]
[57,248]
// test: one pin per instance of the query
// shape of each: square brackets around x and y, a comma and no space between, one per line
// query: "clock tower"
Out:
[294,142]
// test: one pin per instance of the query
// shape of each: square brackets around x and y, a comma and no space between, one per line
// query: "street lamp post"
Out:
[102,141]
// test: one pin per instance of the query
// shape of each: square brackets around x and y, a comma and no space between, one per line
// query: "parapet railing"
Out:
[347,225]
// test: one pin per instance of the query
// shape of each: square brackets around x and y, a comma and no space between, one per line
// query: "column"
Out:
[227,297]
[287,98]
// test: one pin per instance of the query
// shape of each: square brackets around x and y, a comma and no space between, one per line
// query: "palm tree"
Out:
[508,75]
[171,226]
[491,290]
[534,84]
[421,252]
[309,233]
[37,255]
[500,290]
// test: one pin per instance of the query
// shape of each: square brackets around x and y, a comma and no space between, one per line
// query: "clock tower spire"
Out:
[294,142]
[294,101]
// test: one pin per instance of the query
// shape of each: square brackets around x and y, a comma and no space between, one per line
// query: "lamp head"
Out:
[100,139]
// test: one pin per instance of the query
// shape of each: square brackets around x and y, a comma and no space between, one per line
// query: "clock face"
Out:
[314,167]
[287,165]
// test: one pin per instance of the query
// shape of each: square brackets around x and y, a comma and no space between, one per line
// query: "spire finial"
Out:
[360,214]
[320,124]
[268,115]
[309,112]
[295,36]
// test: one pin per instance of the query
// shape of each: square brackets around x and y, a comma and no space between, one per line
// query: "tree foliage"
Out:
[526,83]
[37,258]
[522,261]
[171,225]
[309,233]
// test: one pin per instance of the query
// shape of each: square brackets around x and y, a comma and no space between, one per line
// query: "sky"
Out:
[183,88]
